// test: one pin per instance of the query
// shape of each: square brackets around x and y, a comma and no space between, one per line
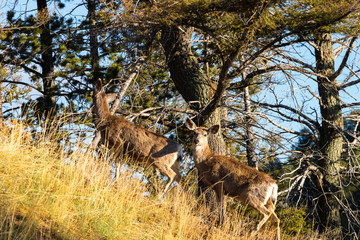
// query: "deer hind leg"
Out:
[274,219]
[172,172]
[167,171]
[271,207]
[266,213]
[175,167]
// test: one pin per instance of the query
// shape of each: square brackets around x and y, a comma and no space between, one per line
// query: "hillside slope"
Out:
[44,195]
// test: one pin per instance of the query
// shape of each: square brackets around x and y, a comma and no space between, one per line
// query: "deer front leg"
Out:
[219,192]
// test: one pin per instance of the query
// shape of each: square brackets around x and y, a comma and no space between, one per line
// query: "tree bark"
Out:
[250,145]
[47,61]
[330,136]
[94,46]
[188,77]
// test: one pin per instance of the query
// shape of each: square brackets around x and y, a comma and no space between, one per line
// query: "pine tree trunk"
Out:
[94,46]
[330,136]
[47,61]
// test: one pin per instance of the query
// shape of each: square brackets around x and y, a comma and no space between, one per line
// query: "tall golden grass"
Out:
[47,193]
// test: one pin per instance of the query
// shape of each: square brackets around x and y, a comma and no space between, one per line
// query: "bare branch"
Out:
[23,83]
[344,60]
[316,124]
[121,93]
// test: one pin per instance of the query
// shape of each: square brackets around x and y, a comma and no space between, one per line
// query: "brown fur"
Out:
[228,176]
[124,137]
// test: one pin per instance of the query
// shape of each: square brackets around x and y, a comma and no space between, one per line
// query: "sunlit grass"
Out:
[46,193]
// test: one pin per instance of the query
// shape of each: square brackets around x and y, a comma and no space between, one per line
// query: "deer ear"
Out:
[98,85]
[214,129]
[190,124]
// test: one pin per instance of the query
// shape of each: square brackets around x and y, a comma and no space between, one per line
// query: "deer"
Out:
[143,146]
[226,175]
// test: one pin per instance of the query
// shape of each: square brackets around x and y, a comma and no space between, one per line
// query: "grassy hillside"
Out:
[45,195]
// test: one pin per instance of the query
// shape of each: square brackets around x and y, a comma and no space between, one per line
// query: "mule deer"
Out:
[124,137]
[227,175]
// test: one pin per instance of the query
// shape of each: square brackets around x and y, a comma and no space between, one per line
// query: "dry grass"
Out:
[44,195]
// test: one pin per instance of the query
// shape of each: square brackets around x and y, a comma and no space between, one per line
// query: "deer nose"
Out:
[196,141]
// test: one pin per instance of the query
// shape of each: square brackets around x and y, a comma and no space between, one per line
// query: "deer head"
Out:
[200,133]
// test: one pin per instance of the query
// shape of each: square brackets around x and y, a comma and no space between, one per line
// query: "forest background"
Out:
[280,77]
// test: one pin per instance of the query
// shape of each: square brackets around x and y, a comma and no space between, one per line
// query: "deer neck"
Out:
[101,106]
[201,153]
